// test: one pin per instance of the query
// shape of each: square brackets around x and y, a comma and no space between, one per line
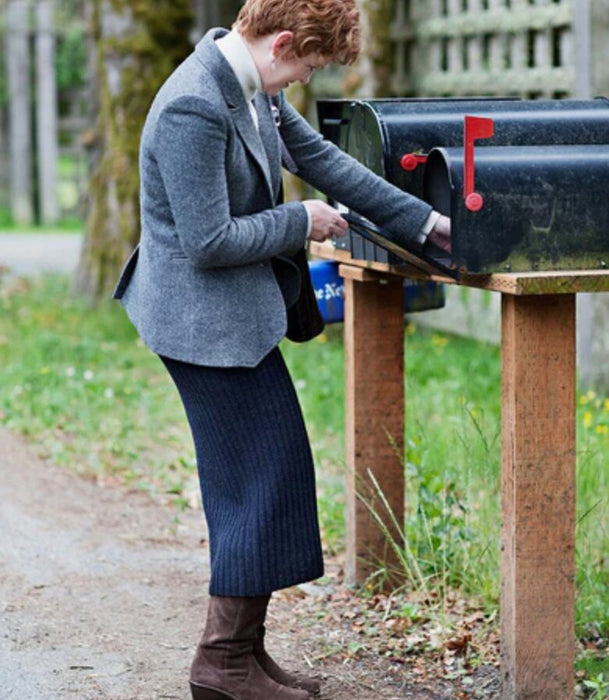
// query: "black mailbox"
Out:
[532,207]
[536,210]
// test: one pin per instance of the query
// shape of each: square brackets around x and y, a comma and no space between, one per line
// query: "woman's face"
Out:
[280,67]
[285,70]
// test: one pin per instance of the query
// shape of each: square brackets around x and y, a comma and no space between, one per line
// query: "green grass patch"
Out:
[69,227]
[71,170]
[81,386]
[67,224]
[6,219]
[592,666]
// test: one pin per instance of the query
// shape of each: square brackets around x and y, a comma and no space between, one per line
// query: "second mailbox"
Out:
[524,185]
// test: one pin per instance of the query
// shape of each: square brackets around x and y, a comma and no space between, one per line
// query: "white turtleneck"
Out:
[235,51]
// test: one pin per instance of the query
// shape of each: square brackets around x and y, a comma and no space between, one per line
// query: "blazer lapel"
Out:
[210,55]
[270,139]
[252,139]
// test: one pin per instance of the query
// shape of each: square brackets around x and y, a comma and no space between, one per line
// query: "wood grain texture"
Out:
[541,283]
[374,418]
[538,497]
[515,283]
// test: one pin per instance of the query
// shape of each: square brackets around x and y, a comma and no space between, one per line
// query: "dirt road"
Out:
[34,253]
[103,594]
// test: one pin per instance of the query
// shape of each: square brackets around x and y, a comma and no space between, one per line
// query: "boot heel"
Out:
[201,693]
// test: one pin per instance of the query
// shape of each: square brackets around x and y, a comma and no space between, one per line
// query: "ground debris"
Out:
[400,644]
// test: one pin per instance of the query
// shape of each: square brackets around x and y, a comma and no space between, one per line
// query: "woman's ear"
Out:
[282,43]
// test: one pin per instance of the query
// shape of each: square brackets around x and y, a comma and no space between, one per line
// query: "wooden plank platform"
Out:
[517,283]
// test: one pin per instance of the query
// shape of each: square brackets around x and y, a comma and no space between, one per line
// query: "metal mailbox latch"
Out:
[411,161]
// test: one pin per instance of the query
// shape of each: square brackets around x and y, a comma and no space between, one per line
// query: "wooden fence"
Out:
[42,159]
[528,48]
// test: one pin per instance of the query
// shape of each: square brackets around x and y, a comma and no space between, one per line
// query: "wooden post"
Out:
[20,122]
[374,415]
[538,497]
[46,112]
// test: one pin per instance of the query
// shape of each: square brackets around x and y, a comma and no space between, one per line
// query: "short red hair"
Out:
[326,27]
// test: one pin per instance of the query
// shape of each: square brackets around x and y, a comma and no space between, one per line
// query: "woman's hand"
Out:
[440,233]
[325,221]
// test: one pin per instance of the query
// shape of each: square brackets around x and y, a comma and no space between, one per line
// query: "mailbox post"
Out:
[538,451]
[374,414]
[538,497]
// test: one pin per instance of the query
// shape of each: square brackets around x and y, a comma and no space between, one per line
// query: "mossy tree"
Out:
[135,46]
[375,64]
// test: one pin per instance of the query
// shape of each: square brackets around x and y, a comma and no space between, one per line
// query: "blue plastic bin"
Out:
[330,292]
[329,289]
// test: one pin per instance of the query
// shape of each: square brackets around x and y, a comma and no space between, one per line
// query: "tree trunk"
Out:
[46,112]
[214,13]
[136,45]
[20,118]
[375,64]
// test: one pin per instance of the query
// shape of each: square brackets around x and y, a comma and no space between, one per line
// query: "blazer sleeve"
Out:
[331,170]
[189,151]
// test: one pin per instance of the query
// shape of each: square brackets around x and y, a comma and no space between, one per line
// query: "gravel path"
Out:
[32,253]
[103,594]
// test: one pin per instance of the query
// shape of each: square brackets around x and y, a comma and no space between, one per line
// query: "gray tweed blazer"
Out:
[199,287]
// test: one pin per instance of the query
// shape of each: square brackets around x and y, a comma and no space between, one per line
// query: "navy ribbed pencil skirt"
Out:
[256,474]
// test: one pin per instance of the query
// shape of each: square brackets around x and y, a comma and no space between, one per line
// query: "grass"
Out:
[80,385]
[68,226]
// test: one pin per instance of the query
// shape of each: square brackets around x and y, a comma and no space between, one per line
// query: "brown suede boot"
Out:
[224,667]
[274,671]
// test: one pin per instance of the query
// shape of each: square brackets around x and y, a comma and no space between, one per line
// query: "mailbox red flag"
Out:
[475,128]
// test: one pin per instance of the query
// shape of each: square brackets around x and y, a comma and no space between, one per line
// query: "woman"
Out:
[202,293]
